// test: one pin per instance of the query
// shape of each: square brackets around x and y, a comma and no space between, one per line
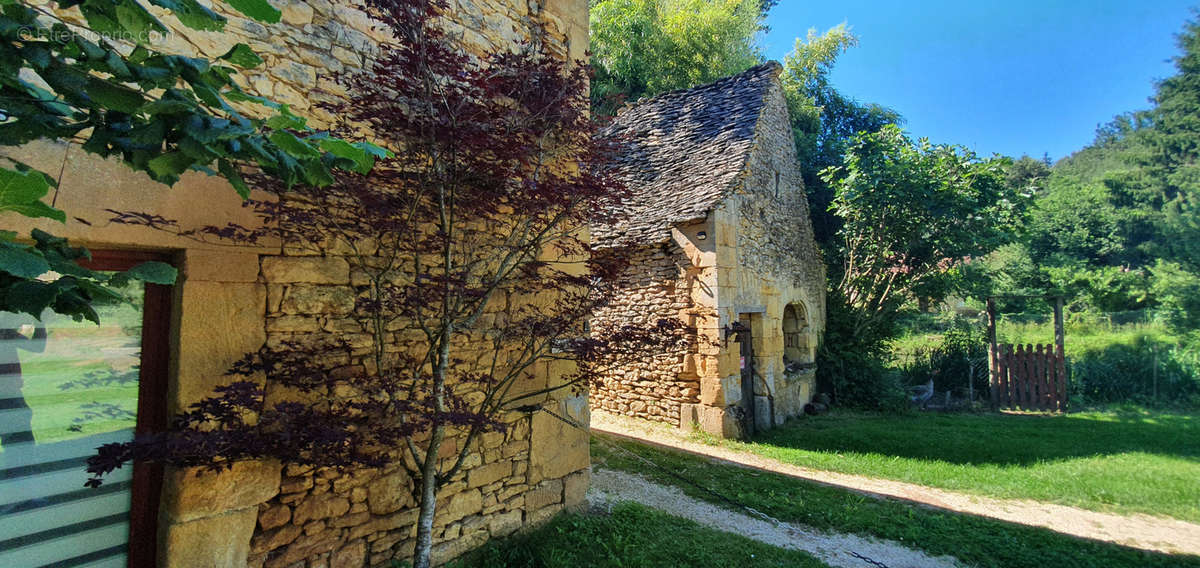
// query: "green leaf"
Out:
[47,241]
[363,161]
[19,261]
[139,54]
[38,209]
[260,10]
[285,122]
[167,167]
[37,55]
[199,151]
[114,96]
[239,96]
[316,174]
[242,56]
[22,187]
[30,296]
[99,294]
[73,298]
[374,150]
[153,273]
[101,18]
[164,106]
[209,95]
[192,14]
[22,192]
[229,172]
[296,147]
[137,21]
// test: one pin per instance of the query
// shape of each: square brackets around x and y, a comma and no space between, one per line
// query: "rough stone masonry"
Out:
[232,300]
[717,233]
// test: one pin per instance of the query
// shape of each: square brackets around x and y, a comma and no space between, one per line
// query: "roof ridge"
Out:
[771,64]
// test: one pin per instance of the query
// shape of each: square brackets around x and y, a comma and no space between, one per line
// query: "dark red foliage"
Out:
[470,256]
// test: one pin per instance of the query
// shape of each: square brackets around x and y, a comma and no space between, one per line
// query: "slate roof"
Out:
[682,153]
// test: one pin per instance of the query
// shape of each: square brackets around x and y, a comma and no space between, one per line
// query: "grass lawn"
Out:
[1107,461]
[631,536]
[84,381]
[975,540]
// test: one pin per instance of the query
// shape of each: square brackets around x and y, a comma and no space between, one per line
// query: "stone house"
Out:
[718,235]
[231,300]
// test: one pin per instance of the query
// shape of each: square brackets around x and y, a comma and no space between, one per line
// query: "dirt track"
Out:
[1137,531]
[834,549]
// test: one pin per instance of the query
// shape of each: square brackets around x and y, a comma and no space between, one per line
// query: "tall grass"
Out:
[1111,358]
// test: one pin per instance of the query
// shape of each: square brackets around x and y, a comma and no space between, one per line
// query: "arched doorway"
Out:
[797,336]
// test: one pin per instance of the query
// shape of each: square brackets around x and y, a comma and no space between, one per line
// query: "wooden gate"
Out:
[1029,377]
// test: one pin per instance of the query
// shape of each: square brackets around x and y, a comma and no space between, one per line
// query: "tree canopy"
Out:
[824,120]
[1114,226]
[910,211]
[645,47]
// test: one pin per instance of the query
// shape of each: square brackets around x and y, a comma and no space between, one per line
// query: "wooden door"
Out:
[66,388]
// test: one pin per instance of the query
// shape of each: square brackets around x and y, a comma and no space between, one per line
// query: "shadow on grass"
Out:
[629,535]
[977,541]
[999,439]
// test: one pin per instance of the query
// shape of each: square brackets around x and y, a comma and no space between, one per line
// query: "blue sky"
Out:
[1015,77]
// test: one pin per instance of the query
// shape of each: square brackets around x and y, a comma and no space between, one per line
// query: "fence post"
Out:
[993,353]
[1014,376]
[1154,349]
[1039,364]
[1022,400]
[1060,339]
[1061,382]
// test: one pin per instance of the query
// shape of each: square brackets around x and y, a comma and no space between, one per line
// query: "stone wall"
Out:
[326,518]
[769,259]
[329,518]
[657,284]
[317,38]
[232,300]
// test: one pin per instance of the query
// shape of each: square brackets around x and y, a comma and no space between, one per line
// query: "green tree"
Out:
[645,47]
[824,120]
[101,85]
[1173,149]
[1094,228]
[910,212]
[1178,293]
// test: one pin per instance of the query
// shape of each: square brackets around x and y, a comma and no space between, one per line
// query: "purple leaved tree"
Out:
[470,262]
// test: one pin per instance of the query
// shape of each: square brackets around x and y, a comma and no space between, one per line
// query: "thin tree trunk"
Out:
[424,549]
[429,469]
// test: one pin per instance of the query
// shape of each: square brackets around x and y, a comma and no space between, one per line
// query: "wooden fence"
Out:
[1029,377]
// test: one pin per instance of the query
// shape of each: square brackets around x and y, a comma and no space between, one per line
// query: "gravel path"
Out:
[833,549]
[1137,531]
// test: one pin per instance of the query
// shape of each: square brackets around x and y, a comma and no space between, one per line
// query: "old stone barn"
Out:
[718,235]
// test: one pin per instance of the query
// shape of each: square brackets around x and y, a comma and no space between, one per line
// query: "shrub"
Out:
[850,362]
[1146,371]
[956,360]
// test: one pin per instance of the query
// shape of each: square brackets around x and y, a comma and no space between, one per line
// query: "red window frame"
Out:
[152,397]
